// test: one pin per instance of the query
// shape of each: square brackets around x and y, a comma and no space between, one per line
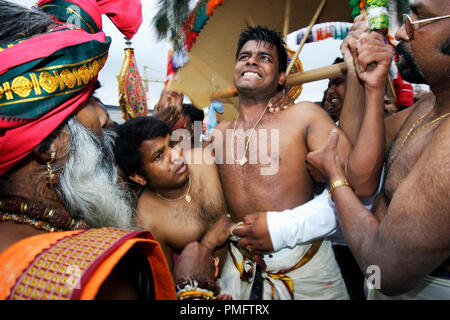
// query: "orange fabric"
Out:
[164,287]
[15,259]
[163,283]
[18,257]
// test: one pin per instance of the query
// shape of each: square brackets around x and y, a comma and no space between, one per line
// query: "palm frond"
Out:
[170,17]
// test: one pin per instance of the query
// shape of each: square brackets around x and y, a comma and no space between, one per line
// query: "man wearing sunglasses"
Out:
[405,242]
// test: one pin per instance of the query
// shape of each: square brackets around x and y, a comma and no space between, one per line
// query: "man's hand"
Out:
[170,115]
[325,163]
[254,233]
[280,101]
[195,262]
[169,108]
[371,50]
[169,98]
[218,234]
[360,26]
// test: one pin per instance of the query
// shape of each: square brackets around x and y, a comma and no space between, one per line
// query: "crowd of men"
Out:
[92,210]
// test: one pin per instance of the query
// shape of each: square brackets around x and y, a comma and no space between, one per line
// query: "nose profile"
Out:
[401,34]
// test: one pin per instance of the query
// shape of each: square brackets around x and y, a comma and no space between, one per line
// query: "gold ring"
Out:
[248,248]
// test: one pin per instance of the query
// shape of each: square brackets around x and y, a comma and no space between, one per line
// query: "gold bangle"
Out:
[338,183]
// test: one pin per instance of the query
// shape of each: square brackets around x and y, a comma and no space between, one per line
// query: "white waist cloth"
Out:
[314,219]
[318,279]
[430,288]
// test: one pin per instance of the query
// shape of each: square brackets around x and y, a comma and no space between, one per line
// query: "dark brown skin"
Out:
[174,224]
[22,182]
[195,254]
[408,236]
[163,219]
[302,128]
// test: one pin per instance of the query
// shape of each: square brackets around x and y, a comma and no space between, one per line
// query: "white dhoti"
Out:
[298,273]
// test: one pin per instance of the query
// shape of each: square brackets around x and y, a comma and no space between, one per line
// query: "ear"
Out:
[282,79]
[140,180]
[44,152]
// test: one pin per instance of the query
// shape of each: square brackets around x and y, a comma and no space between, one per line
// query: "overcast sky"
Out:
[152,54]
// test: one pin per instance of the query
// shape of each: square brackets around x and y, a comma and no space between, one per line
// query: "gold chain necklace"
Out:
[411,134]
[244,159]
[186,196]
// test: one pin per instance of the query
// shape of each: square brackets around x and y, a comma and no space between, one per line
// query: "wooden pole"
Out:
[223,93]
[287,17]
[308,31]
[316,74]
[293,79]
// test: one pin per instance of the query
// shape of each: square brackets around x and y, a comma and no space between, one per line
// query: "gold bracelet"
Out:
[337,183]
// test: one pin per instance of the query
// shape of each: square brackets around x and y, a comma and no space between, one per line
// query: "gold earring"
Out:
[51,176]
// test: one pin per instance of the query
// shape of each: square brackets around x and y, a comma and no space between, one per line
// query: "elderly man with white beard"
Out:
[65,224]
[89,168]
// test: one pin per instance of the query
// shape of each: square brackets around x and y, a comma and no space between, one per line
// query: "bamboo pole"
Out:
[287,19]
[232,92]
[223,93]
[316,74]
[293,79]
[308,31]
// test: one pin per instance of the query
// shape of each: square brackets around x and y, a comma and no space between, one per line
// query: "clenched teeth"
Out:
[252,75]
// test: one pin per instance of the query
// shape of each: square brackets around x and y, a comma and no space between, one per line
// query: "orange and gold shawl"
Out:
[73,265]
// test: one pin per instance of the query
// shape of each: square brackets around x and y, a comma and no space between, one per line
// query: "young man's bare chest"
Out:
[274,177]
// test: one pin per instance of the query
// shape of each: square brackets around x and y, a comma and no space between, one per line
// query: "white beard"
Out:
[88,180]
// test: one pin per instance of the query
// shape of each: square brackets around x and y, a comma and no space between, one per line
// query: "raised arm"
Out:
[366,159]
[353,107]
[413,238]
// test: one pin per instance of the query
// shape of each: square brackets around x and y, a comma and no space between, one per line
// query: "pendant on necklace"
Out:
[188,198]
[243,161]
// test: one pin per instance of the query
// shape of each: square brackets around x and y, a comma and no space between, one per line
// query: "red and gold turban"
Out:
[45,78]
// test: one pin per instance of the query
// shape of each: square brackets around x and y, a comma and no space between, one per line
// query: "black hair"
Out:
[131,134]
[97,85]
[338,60]
[267,35]
[192,112]
[18,22]
[324,98]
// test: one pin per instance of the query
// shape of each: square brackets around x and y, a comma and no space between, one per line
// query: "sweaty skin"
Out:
[174,224]
[301,129]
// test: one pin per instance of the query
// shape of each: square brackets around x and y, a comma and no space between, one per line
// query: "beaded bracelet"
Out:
[192,291]
[198,294]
